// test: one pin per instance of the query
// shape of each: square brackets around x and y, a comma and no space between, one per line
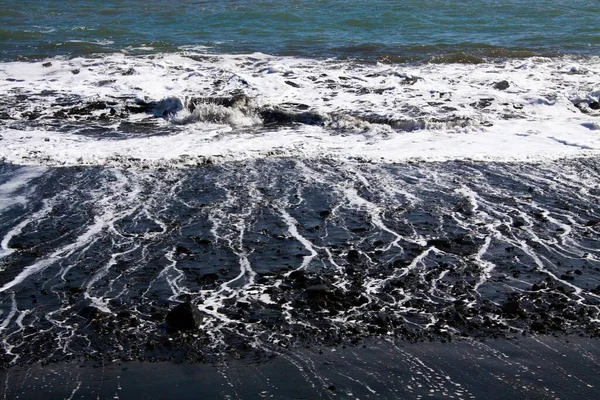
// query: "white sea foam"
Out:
[380,112]
[9,189]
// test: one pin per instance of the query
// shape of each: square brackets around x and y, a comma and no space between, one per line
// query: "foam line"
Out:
[387,114]
[90,234]
[293,230]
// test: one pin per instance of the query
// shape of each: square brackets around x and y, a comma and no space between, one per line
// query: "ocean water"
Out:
[407,30]
[303,175]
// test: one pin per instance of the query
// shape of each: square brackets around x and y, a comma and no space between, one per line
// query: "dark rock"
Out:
[75,71]
[383,322]
[460,245]
[396,284]
[502,85]
[299,277]
[31,115]
[570,316]
[519,223]
[317,291]
[105,82]
[75,290]
[587,107]
[237,100]
[540,216]
[244,305]
[539,327]
[352,298]
[292,84]
[124,315]
[47,64]
[278,116]
[91,312]
[512,308]
[184,316]
[88,108]
[325,214]
[204,242]
[536,287]
[593,222]
[566,277]
[353,255]
[482,103]
[183,250]
[157,316]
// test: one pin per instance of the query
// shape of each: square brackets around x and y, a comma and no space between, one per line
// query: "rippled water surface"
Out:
[364,29]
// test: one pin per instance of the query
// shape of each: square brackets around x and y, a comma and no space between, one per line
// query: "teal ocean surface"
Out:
[380,30]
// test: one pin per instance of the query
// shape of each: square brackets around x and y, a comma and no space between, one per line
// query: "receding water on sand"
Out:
[529,368]
[344,254]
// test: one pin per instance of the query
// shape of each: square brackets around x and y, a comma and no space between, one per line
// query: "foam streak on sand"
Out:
[456,249]
[186,109]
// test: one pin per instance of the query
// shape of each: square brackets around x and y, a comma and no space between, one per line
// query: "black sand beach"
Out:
[544,367]
[443,280]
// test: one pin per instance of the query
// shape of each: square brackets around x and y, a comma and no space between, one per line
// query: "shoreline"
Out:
[530,367]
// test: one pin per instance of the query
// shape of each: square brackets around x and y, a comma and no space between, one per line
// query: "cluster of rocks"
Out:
[358,285]
[120,109]
[591,107]
[307,307]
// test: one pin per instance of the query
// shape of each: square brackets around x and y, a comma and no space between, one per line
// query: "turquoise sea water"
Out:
[395,30]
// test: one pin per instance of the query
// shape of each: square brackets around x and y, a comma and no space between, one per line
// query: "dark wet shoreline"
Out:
[544,367]
[339,254]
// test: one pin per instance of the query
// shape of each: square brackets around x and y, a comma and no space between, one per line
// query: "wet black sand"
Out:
[529,368]
[460,279]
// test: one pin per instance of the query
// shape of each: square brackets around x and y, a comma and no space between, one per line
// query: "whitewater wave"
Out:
[172,108]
